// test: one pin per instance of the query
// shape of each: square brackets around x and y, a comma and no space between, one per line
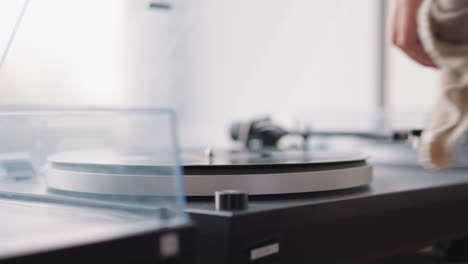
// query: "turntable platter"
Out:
[259,173]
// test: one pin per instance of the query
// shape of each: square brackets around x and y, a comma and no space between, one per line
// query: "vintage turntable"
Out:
[264,171]
[268,170]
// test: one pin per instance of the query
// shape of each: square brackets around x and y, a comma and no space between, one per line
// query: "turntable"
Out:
[257,173]
[267,170]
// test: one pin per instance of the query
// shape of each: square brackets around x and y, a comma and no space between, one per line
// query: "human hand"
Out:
[404,31]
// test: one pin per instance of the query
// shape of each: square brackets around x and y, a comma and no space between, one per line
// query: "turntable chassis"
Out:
[404,209]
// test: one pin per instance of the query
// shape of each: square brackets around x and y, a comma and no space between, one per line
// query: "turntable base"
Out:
[114,173]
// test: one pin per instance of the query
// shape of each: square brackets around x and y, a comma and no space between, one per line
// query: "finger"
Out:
[415,50]
[421,56]
[421,59]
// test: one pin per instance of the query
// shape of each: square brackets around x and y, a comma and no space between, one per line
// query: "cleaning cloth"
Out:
[443,31]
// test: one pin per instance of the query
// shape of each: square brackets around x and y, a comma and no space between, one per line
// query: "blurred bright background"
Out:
[214,61]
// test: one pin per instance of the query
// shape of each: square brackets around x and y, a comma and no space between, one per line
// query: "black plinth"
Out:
[404,209]
[33,232]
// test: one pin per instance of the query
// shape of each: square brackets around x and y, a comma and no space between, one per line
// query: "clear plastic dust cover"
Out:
[88,174]
[11,16]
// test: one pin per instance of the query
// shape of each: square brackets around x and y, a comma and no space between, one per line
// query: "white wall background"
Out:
[232,59]
[284,58]
[71,53]
[411,89]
